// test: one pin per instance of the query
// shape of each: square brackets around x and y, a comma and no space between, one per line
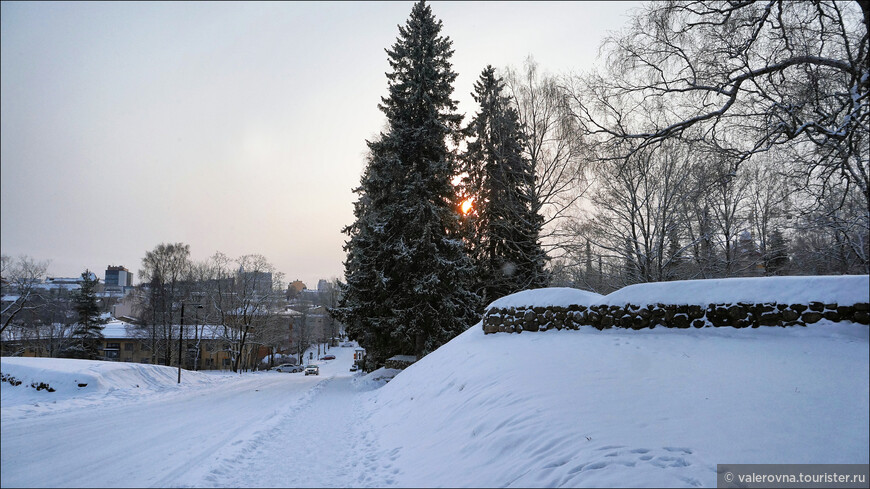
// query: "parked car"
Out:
[354,368]
[288,367]
[312,370]
[328,357]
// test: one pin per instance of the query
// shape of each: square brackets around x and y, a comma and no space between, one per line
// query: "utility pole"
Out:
[180,339]
[181,336]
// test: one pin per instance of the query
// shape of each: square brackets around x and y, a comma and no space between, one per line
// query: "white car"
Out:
[312,370]
[288,367]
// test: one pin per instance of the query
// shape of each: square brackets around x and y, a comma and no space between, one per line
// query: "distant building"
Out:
[118,277]
[259,282]
[295,288]
[118,280]
[61,285]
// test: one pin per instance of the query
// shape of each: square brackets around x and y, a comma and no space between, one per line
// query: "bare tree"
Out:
[242,296]
[636,214]
[553,144]
[21,278]
[165,269]
[745,78]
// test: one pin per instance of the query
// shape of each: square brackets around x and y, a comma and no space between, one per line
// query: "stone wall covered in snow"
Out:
[734,302]
[740,315]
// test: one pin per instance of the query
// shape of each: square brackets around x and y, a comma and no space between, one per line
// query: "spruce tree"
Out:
[776,258]
[504,234]
[88,332]
[407,273]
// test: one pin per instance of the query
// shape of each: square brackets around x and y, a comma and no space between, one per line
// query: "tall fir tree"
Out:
[88,332]
[776,259]
[407,272]
[504,238]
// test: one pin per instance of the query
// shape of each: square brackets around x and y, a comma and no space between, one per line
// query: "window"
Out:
[128,346]
[114,346]
[226,362]
[209,362]
[113,354]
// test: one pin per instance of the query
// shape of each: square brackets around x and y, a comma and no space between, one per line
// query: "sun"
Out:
[467,205]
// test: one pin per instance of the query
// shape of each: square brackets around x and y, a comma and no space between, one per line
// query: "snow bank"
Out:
[376,378]
[551,296]
[842,289]
[625,408]
[71,378]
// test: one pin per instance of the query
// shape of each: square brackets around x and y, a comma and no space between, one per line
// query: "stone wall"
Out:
[739,315]
[400,362]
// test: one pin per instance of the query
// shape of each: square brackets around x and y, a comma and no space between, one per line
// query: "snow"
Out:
[842,289]
[552,296]
[97,379]
[556,408]
[649,408]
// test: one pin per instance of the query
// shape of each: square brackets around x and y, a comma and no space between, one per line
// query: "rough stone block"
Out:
[736,311]
[789,316]
[742,323]
[832,316]
[845,312]
[681,320]
[811,317]
[769,319]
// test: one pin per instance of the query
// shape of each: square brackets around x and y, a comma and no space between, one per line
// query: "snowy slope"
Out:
[98,379]
[616,408]
[625,408]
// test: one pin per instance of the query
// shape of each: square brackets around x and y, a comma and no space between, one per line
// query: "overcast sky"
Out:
[232,127]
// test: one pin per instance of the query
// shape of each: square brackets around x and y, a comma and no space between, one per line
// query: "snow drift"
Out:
[651,408]
[85,381]
[550,296]
[842,289]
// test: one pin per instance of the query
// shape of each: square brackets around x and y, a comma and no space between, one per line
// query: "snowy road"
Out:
[257,430]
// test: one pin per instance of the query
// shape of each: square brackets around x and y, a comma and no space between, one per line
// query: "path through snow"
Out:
[265,429]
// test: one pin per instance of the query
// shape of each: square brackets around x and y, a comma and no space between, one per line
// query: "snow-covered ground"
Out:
[134,426]
[557,408]
[649,408]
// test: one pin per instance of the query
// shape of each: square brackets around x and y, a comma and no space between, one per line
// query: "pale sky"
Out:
[232,127]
